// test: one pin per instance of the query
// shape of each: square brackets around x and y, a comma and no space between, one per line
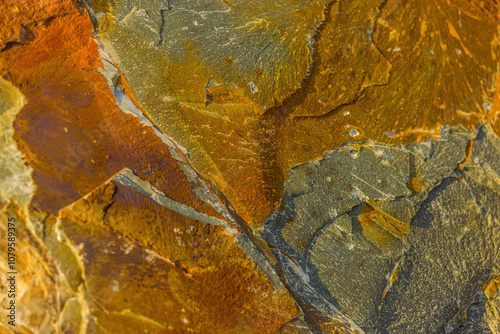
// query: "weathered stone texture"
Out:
[251,166]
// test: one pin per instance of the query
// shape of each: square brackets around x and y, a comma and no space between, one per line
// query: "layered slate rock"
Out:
[252,89]
[159,142]
[398,239]
[164,276]
[261,50]
[118,261]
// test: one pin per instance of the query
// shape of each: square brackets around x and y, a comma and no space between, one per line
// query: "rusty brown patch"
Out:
[162,258]
[73,134]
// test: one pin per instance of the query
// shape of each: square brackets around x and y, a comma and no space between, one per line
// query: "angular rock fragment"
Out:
[104,265]
[448,258]
[166,260]
[377,232]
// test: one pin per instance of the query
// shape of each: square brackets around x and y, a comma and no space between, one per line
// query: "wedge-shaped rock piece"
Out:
[163,258]
[320,191]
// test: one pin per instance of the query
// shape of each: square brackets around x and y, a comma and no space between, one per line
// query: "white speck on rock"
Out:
[115,286]
[353,133]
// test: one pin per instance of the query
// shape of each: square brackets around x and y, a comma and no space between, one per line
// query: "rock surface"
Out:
[251,166]
[399,239]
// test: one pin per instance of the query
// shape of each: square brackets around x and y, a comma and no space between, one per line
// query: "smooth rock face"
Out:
[231,166]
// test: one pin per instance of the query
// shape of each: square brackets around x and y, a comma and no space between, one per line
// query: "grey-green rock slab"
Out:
[425,277]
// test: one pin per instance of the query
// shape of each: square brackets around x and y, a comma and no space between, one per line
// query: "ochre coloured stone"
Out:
[38,290]
[69,101]
[169,272]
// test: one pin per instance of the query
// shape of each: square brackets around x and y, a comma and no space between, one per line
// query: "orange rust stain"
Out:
[452,30]
[468,152]
[383,296]
[21,19]
[491,287]
[375,230]
[415,185]
[394,275]
[127,90]
[392,279]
